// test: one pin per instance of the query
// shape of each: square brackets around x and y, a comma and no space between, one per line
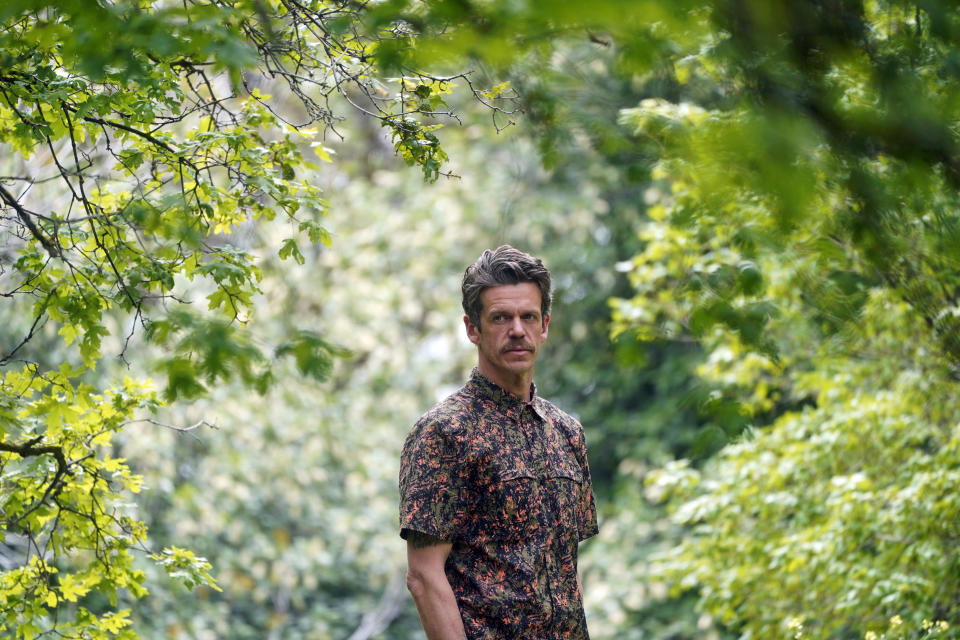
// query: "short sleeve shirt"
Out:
[507,483]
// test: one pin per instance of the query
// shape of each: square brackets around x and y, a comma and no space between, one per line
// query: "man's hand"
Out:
[430,589]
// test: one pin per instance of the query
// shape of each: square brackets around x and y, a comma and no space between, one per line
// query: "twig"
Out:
[24,216]
[172,427]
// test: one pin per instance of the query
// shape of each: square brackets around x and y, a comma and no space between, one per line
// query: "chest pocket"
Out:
[519,505]
[564,484]
[510,508]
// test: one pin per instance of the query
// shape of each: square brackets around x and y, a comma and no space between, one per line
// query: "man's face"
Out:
[510,333]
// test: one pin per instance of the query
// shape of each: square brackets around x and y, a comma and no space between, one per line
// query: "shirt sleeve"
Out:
[433,484]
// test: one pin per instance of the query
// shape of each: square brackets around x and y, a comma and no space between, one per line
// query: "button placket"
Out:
[537,429]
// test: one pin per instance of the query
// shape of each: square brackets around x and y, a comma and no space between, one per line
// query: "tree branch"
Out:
[25,218]
[377,621]
[29,450]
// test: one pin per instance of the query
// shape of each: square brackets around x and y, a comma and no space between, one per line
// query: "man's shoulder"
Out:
[558,415]
[452,414]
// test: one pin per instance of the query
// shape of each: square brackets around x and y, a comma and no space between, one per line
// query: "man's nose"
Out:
[516,327]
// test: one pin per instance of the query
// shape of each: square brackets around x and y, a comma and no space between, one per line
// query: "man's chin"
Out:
[519,364]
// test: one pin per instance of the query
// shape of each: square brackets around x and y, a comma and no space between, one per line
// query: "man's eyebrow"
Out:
[495,310]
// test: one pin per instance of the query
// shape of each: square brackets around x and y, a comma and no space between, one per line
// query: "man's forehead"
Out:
[523,295]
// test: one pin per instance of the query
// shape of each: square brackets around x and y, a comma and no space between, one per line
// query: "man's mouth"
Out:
[517,349]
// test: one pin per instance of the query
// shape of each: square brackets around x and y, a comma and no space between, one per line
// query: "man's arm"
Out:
[430,589]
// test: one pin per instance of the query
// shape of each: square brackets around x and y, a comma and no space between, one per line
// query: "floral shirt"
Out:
[507,483]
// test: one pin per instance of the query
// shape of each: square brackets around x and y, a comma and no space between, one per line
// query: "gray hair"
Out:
[501,266]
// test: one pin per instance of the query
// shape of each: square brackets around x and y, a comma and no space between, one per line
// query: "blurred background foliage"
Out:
[750,211]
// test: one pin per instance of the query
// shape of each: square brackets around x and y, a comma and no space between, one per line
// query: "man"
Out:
[495,490]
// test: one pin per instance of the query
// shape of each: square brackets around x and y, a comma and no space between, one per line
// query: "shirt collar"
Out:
[486,389]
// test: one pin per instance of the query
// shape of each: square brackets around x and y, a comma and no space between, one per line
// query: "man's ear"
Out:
[546,324]
[473,331]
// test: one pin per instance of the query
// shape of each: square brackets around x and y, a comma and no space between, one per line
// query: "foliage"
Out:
[803,231]
[844,502]
[139,143]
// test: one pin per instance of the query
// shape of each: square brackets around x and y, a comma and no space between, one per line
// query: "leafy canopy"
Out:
[803,229]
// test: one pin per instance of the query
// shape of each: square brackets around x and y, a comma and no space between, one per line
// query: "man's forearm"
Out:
[437,607]
[431,591]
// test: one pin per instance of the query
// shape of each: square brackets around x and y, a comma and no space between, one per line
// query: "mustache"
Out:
[518,345]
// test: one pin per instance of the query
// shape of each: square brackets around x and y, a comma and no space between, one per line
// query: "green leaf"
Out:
[289,249]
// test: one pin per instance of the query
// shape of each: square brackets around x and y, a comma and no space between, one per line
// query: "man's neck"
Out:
[517,385]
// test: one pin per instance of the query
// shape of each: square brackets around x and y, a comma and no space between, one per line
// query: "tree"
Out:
[804,234]
[137,137]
